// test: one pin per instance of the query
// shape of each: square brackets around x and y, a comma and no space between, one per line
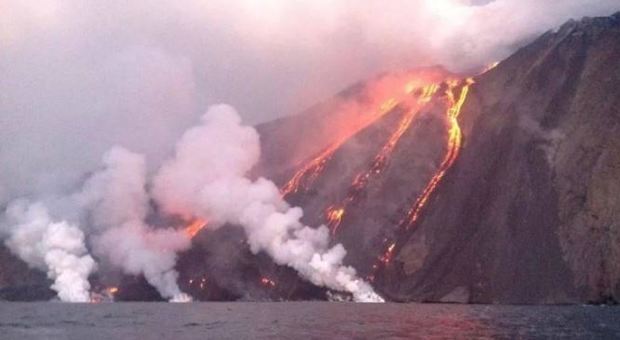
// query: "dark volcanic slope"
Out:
[529,213]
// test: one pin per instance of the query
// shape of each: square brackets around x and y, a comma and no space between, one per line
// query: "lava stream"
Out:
[335,213]
[267,282]
[454,147]
[195,227]
[304,177]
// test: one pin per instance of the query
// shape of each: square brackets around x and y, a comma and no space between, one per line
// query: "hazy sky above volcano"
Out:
[77,77]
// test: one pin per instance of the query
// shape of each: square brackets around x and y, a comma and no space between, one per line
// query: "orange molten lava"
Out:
[107,294]
[195,227]
[267,282]
[387,256]
[309,173]
[335,213]
[304,177]
[454,147]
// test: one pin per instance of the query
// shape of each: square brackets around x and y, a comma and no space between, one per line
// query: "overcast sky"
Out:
[78,76]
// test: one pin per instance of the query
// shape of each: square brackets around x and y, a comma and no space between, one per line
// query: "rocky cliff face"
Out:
[529,212]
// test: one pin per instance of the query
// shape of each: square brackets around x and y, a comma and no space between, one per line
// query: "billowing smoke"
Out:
[206,178]
[56,247]
[118,204]
[113,206]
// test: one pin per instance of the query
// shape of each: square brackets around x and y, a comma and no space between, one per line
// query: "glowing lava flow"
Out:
[311,171]
[106,295]
[454,147]
[195,227]
[335,213]
[267,282]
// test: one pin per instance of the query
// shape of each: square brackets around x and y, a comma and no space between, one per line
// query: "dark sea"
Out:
[304,320]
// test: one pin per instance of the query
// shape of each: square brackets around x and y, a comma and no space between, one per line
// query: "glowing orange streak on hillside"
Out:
[310,172]
[267,282]
[454,146]
[195,227]
[335,213]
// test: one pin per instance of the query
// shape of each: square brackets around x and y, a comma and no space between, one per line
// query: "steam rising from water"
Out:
[56,247]
[118,202]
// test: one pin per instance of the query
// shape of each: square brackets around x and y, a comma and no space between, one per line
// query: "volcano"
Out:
[493,187]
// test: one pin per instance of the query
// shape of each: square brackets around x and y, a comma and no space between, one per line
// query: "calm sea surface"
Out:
[303,320]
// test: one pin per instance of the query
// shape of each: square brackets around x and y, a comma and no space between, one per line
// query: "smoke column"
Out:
[57,248]
[118,203]
[206,178]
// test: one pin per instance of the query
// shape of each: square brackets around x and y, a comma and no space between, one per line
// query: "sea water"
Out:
[303,320]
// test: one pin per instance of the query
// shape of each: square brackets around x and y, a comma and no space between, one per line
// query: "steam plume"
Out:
[206,178]
[57,248]
[119,203]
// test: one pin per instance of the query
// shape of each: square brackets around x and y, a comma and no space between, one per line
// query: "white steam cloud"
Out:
[119,204]
[113,205]
[206,178]
[57,248]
